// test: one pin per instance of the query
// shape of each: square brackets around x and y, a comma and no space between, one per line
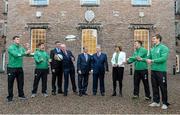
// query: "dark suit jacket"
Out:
[99,64]
[67,61]
[82,64]
[54,63]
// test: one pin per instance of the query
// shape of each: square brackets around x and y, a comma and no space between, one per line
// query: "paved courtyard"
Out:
[87,104]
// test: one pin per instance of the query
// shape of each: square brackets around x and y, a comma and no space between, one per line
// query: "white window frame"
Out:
[141,4]
[5,29]
[5,7]
[89,3]
[177,6]
[177,64]
[1,29]
[32,2]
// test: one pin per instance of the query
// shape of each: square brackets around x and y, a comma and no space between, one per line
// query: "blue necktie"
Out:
[86,56]
[58,50]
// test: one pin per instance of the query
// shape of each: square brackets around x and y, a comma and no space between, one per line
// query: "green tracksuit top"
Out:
[15,56]
[159,55]
[41,59]
[139,65]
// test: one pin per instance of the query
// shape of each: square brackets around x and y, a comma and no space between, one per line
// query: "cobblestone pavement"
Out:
[87,104]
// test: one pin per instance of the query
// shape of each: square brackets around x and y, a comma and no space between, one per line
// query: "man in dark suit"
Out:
[83,69]
[56,68]
[99,66]
[69,69]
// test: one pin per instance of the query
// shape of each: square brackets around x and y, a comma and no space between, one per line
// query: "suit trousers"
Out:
[57,76]
[98,77]
[69,73]
[83,82]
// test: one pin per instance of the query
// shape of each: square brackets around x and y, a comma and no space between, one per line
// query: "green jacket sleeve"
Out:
[132,59]
[48,57]
[37,58]
[163,55]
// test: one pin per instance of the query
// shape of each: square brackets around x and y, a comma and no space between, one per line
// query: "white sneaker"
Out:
[154,104]
[33,95]
[45,95]
[164,107]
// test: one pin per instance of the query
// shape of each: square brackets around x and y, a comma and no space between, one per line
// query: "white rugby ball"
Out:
[60,57]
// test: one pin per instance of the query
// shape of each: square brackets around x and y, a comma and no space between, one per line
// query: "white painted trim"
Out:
[89,2]
[4,58]
[177,64]
[148,42]
[33,3]
[133,3]
[31,38]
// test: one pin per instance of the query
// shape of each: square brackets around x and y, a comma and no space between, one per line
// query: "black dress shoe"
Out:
[65,94]
[9,99]
[120,95]
[75,92]
[102,94]
[94,93]
[53,93]
[85,94]
[114,94]
[60,92]
[80,94]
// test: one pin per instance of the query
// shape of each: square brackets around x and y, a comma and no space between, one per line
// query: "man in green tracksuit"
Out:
[158,59]
[141,71]
[41,59]
[14,68]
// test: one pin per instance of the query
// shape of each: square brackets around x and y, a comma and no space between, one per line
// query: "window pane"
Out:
[141,2]
[142,35]
[89,40]
[37,36]
[90,2]
[39,2]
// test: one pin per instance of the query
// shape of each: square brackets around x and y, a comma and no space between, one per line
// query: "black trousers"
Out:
[57,75]
[138,76]
[18,74]
[159,80]
[83,82]
[117,75]
[40,74]
[71,73]
[98,77]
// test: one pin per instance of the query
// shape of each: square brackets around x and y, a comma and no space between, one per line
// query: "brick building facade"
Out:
[116,22]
